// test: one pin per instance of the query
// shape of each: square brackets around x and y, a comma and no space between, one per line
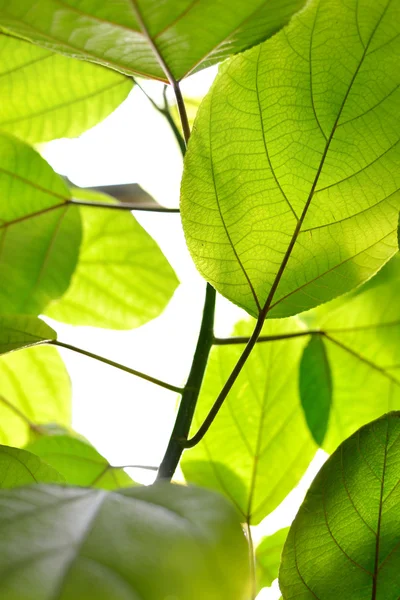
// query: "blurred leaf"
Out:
[259,446]
[268,557]
[34,389]
[122,279]
[163,541]
[79,462]
[19,467]
[40,232]
[136,37]
[344,542]
[48,96]
[290,192]
[18,332]
[316,387]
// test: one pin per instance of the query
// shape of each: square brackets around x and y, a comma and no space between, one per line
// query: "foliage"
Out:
[290,209]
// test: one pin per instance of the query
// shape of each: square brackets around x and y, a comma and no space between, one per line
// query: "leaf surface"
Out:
[17,332]
[143,542]
[40,232]
[34,389]
[138,36]
[316,387]
[122,279]
[19,467]
[268,557]
[259,446]
[290,188]
[52,96]
[345,540]
[79,462]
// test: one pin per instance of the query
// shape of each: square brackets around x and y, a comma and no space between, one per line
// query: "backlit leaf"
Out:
[19,467]
[34,389]
[344,542]
[268,557]
[47,96]
[290,191]
[79,462]
[259,446]
[40,232]
[155,542]
[122,279]
[136,36]
[17,332]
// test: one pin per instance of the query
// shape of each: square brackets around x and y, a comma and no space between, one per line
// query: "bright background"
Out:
[127,419]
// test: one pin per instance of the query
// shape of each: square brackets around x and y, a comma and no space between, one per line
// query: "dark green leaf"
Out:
[259,445]
[156,542]
[40,232]
[137,36]
[19,467]
[79,462]
[344,542]
[122,279]
[48,96]
[316,387]
[268,557]
[34,389]
[290,193]
[18,332]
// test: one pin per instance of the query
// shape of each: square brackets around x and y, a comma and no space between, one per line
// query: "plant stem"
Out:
[192,389]
[264,338]
[32,426]
[111,363]
[252,562]
[123,206]
[182,110]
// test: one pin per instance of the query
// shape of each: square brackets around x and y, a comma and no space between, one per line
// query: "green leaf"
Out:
[19,467]
[18,332]
[51,96]
[344,542]
[290,187]
[79,462]
[163,541]
[34,389]
[316,387]
[40,232]
[138,36]
[122,279]
[259,445]
[268,557]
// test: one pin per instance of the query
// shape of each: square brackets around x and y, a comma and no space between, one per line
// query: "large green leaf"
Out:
[47,96]
[122,279]
[268,557]
[156,542]
[17,332]
[40,232]
[290,190]
[138,36]
[259,445]
[79,462]
[344,542]
[19,467]
[34,389]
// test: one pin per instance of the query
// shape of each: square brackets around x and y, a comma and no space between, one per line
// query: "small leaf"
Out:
[79,462]
[122,279]
[19,467]
[316,387]
[137,37]
[162,541]
[290,193]
[259,445]
[40,232]
[65,96]
[268,557]
[34,389]
[344,542]
[18,332]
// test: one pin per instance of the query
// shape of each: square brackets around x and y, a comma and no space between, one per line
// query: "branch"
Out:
[264,338]
[111,363]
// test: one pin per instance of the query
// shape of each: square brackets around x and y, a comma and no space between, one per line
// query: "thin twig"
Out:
[123,206]
[264,338]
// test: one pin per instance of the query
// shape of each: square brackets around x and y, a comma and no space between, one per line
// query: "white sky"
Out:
[127,419]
